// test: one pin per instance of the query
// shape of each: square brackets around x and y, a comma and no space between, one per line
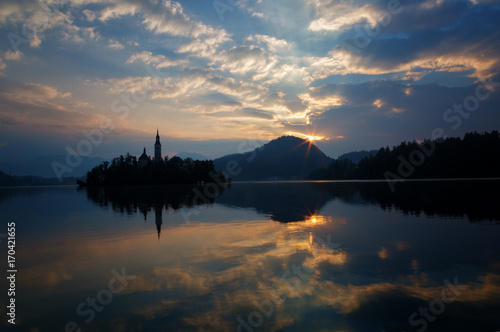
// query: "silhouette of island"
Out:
[128,170]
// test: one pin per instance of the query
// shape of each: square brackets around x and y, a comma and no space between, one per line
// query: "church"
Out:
[144,158]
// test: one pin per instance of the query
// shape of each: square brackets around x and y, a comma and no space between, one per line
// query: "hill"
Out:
[357,156]
[476,155]
[192,155]
[285,158]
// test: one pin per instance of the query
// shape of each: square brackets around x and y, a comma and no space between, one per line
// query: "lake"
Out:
[293,256]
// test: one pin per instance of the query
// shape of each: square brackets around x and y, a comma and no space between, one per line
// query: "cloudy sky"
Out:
[216,76]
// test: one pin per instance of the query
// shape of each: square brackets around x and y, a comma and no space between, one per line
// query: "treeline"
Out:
[476,155]
[124,170]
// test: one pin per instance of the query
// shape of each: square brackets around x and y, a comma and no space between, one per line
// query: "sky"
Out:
[98,77]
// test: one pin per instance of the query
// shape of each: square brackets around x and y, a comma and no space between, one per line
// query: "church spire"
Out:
[157,146]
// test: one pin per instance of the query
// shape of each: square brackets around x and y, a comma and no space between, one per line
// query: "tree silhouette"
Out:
[124,170]
[476,155]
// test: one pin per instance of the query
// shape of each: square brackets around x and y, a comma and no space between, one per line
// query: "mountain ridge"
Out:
[284,158]
[192,155]
[357,156]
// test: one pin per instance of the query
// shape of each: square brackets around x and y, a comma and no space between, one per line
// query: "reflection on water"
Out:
[259,256]
[145,199]
[287,202]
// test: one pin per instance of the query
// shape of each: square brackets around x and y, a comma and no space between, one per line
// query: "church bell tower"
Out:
[157,147]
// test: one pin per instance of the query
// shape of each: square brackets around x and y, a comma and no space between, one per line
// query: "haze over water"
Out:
[262,256]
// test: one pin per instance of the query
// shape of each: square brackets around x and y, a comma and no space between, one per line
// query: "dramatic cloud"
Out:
[164,17]
[364,73]
[339,15]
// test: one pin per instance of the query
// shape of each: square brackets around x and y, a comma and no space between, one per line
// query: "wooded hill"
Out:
[476,155]
[285,158]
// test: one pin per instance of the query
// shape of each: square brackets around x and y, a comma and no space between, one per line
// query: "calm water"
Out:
[258,257]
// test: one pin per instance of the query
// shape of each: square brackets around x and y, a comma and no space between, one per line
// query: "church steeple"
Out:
[158,217]
[157,147]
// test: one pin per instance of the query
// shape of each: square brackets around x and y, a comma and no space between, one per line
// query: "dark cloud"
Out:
[425,15]
[405,113]
[451,35]
[295,106]
[244,113]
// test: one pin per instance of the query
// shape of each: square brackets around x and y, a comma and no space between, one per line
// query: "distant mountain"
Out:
[356,156]
[192,155]
[29,180]
[42,166]
[285,158]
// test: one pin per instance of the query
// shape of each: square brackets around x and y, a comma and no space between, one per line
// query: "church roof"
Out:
[144,156]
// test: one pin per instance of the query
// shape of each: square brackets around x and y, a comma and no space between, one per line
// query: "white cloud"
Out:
[273,44]
[243,60]
[185,86]
[115,45]
[77,34]
[339,15]
[91,33]
[9,55]
[35,93]
[164,17]
[118,10]
[35,42]
[205,47]
[257,14]
[90,15]
[158,61]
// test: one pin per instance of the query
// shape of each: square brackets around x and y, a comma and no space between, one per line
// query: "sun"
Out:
[314,138]
[311,137]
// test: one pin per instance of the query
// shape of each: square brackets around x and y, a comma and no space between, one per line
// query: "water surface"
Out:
[258,257]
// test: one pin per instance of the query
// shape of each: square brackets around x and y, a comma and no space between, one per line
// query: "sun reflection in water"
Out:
[316,219]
